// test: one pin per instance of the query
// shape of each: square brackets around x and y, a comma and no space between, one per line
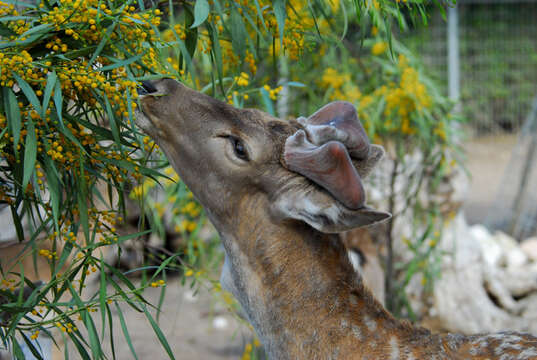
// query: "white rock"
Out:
[529,246]
[505,241]
[516,258]
[220,322]
[491,250]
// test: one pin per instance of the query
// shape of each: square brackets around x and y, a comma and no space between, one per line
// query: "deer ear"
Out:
[316,207]
[333,152]
[364,167]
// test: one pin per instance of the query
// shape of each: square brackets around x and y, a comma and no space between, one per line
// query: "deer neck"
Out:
[298,289]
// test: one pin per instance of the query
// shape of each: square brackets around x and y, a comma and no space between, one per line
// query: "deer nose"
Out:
[146,88]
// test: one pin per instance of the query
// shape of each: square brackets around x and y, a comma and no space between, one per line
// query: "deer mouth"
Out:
[143,121]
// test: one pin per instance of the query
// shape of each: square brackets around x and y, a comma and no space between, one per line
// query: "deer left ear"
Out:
[322,211]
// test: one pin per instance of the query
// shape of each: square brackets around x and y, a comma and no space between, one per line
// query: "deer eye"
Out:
[238,148]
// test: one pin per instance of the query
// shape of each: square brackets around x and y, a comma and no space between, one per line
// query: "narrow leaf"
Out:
[238,33]
[28,92]
[201,12]
[280,14]
[30,153]
[159,333]
[13,116]
[125,331]
[51,81]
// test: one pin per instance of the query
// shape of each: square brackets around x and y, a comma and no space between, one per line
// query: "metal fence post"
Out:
[453,56]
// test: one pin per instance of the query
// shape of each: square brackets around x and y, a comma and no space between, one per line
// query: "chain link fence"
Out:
[497,43]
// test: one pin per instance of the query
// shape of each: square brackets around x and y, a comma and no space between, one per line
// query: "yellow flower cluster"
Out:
[249,348]
[406,97]
[243,79]
[158,283]
[341,86]
[19,26]
[273,93]
[186,225]
[48,254]
[68,326]
[379,48]
[250,60]
[8,284]
[20,63]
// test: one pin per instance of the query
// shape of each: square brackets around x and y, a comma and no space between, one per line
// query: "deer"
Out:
[279,192]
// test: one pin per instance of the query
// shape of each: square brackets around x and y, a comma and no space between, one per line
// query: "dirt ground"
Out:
[487,161]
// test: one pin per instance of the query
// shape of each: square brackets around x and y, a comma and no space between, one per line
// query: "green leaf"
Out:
[51,81]
[53,181]
[267,101]
[295,84]
[30,153]
[12,18]
[18,223]
[13,116]
[280,14]
[83,353]
[17,350]
[125,330]
[111,332]
[122,62]
[159,333]
[123,238]
[102,296]
[82,198]
[191,40]
[58,101]
[37,30]
[239,35]
[112,120]
[161,297]
[95,345]
[260,15]
[28,92]
[67,248]
[201,12]
[20,3]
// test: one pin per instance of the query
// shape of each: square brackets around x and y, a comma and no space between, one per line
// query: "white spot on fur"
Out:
[355,261]
[370,323]
[394,348]
[356,332]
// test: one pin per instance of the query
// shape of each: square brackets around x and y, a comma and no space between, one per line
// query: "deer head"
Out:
[308,170]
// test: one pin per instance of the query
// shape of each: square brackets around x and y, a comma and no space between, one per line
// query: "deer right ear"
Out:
[317,208]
